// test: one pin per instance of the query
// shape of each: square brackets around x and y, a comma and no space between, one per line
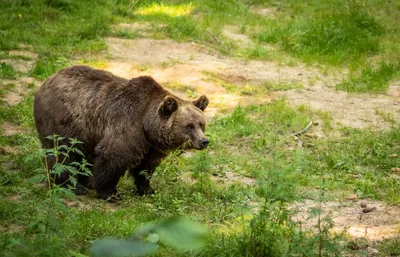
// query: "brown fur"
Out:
[124,124]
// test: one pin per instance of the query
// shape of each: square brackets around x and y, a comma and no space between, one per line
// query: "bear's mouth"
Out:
[198,146]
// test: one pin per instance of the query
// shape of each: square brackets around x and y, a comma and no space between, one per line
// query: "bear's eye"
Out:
[190,127]
[201,126]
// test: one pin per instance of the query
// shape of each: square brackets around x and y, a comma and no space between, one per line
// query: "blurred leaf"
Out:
[183,234]
[110,247]
[180,233]
[153,238]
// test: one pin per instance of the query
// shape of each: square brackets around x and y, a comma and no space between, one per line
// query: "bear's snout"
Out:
[203,143]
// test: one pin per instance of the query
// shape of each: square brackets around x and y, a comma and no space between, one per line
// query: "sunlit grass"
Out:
[165,9]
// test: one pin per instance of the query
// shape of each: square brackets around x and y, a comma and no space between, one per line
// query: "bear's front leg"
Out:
[108,173]
[143,172]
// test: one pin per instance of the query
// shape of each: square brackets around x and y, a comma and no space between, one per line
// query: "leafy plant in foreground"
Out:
[180,233]
[53,205]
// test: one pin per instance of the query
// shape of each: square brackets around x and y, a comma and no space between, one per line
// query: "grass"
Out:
[7,71]
[253,142]
[346,33]
[374,80]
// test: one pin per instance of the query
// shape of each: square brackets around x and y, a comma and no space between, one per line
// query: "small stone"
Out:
[372,251]
[352,197]
[369,209]
[363,204]
[395,169]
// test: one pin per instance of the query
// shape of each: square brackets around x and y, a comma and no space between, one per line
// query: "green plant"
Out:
[180,233]
[53,205]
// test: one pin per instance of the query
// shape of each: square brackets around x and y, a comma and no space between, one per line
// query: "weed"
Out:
[386,116]
[53,204]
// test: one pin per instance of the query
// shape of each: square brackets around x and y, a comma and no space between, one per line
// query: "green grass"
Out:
[7,71]
[56,29]
[375,80]
[345,33]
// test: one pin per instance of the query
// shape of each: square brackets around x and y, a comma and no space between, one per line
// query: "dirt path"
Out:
[186,63]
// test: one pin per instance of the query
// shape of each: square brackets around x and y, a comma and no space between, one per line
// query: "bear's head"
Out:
[183,122]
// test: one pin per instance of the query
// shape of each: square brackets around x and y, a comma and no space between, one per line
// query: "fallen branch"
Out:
[302,131]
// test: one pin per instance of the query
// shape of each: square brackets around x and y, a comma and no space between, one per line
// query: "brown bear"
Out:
[123,124]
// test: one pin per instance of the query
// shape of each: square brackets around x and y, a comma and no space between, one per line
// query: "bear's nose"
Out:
[204,143]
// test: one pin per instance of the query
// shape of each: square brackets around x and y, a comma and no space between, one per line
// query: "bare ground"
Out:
[348,216]
[168,61]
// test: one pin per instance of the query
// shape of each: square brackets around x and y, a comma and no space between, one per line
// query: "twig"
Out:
[302,131]
[213,36]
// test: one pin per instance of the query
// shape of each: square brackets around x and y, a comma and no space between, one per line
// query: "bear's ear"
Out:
[201,103]
[168,106]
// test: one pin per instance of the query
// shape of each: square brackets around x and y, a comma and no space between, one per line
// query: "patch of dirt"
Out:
[232,177]
[190,60]
[231,78]
[9,150]
[12,98]
[12,229]
[14,197]
[394,90]
[78,205]
[269,12]
[20,65]
[143,28]
[9,129]
[22,82]
[358,111]
[383,222]
[21,89]
[232,32]
[24,53]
